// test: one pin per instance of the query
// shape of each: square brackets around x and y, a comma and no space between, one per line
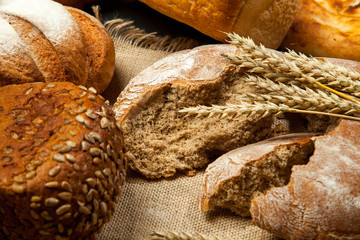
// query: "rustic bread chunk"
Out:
[61,162]
[322,199]
[159,140]
[246,172]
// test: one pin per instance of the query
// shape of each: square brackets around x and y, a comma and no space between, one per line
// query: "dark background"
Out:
[148,19]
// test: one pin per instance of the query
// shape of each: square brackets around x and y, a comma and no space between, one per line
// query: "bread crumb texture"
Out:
[247,172]
[61,161]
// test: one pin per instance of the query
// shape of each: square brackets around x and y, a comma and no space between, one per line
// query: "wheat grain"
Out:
[182,236]
[256,109]
[264,60]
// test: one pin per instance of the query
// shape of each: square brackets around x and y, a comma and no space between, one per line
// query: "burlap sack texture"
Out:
[167,204]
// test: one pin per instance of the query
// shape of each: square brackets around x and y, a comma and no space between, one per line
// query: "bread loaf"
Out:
[61,161]
[264,21]
[322,199]
[158,139]
[326,29]
[44,41]
[238,176]
[77,3]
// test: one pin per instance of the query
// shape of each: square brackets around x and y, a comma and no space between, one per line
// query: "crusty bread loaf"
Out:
[77,3]
[326,28]
[238,176]
[264,21]
[61,161]
[159,140]
[43,41]
[322,199]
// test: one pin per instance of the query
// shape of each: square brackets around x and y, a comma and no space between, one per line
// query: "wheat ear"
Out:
[260,57]
[251,110]
[182,236]
[298,98]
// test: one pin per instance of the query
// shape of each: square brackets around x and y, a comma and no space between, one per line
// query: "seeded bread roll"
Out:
[326,28]
[322,199]
[265,21]
[44,41]
[238,176]
[61,161]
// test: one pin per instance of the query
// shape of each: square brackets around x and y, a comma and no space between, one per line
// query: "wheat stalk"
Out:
[253,109]
[260,60]
[182,236]
[298,98]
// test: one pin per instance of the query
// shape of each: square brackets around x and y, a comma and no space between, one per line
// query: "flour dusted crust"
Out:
[326,28]
[322,200]
[61,161]
[42,41]
[265,21]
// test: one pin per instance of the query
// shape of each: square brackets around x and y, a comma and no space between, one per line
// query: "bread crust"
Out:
[61,161]
[266,21]
[326,28]
[322,199]
[54,45]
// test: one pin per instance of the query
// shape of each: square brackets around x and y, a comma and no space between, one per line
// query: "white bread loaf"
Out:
[322,199]
[265,21]
[42,41]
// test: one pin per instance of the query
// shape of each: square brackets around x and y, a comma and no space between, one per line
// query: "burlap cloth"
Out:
[166,204]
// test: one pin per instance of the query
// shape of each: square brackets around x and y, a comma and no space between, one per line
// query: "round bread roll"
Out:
[61,161]
[265,21]
[44,41]
[326,28]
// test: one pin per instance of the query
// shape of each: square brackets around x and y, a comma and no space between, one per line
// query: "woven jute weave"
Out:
[165,204]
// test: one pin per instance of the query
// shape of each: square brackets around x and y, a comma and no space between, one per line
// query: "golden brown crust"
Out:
[322,199]
[76,3]
[52,44]
[265,21]
[326,28]
[101,52]
[61,161]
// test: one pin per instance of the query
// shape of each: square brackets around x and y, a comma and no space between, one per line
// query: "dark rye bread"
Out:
[43,41]
[77,3]
[235,178]
[322,199]
[61,161]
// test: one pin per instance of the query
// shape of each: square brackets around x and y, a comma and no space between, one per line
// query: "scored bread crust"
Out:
[266,21]
[47,43]
[61,161]
[322,200]
[326,28]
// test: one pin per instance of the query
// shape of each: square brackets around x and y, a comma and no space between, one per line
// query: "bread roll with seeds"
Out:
[61,161]
[44,41]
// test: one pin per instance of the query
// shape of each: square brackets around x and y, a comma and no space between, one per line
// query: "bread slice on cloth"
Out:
[238,176]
